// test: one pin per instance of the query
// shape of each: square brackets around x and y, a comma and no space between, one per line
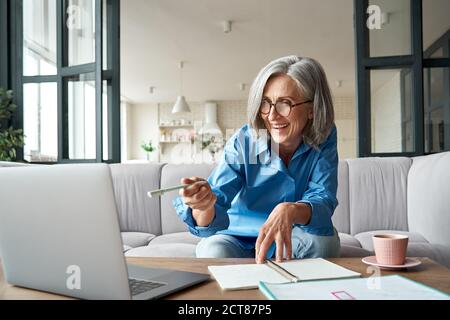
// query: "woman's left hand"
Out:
[278,228]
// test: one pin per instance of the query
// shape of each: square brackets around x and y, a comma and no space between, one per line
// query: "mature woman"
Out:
[273,194]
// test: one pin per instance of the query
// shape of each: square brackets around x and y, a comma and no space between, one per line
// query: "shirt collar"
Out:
[302,148]
[263,146]
[264,154]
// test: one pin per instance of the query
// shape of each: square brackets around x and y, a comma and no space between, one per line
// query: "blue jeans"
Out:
[304,245]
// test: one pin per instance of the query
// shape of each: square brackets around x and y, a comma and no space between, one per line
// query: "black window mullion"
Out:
[16,11]
[362,78]
[114,50]
[62,134]
[388,62]
[107,75]
[436,63]
[98,79]
[417,68]
[39,79]
[4,57]
[78,69]
[64,34]
[109,34]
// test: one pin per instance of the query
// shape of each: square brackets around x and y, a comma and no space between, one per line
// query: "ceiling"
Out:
[157,34]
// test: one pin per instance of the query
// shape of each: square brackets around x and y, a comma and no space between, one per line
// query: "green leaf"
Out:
[10,138]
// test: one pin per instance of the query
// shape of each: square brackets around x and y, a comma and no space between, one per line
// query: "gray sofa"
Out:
[396,195]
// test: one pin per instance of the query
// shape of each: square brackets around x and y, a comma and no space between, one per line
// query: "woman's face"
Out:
[286,130]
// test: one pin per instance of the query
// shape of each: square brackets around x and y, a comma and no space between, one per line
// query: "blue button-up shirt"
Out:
[251,180]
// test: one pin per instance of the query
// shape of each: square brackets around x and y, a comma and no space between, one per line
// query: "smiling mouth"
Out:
[280,126]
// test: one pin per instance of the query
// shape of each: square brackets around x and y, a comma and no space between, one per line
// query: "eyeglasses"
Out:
[282,107]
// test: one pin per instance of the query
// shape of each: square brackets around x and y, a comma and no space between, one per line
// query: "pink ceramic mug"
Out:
[390,248]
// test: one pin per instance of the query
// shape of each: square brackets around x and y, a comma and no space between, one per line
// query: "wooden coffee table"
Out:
[429,273]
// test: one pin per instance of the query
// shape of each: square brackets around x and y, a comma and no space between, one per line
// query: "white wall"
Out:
[125,135]
[344,108]
[143,126]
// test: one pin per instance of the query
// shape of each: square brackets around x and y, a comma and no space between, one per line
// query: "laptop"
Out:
[59,233]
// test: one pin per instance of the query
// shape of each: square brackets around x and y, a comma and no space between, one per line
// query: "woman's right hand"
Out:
[200,198]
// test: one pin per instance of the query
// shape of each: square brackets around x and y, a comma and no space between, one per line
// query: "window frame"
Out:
[16,80]
[430,63]
[4,38]
[365,63]
[417,61]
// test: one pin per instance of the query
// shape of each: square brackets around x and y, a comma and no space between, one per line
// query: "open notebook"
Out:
[248,276]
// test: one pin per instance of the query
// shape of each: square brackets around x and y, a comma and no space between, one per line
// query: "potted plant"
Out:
[212,143]
[148,148]
[10,138]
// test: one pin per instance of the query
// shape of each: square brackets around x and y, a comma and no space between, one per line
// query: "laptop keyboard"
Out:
[141,286]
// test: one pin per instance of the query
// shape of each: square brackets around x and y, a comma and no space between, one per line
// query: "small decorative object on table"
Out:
[148,148]
[213,143]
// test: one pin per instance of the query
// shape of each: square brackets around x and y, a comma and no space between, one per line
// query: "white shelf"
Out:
[178,126]
[174,142]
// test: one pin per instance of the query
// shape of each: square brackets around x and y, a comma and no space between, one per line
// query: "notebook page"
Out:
[244,276]
[316,269]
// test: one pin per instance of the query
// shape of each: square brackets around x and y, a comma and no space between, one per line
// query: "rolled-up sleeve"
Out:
[322,187]
[226,180]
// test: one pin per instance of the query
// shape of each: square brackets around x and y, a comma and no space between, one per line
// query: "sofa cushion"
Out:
[137,212]
[178,237]
[163,250]
[348,240]
[429,197]
[136,239]
[352,252]
[170,176]
[436,252]
[377,189]
[341,216]
[365,238]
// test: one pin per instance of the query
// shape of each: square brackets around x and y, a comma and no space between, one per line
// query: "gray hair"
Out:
[312,81]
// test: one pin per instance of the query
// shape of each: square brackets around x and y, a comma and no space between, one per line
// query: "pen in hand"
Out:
[160,192]
[195,193]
